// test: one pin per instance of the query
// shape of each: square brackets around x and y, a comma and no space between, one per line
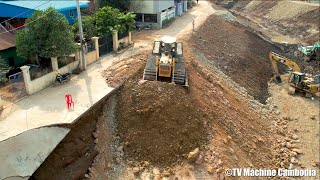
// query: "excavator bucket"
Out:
[277,79]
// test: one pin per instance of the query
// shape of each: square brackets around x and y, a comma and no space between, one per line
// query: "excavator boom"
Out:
[274,58]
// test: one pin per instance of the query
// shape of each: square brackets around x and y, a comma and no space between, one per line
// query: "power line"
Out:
[27,23]
[25,12]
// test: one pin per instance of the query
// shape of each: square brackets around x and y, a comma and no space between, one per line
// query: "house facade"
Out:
[156,12]
[8,50]
[23,9]
[13,14]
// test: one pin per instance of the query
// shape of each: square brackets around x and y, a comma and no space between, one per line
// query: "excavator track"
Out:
[150,72]
[180,73]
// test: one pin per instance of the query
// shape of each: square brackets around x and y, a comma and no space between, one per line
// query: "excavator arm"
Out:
[275,58]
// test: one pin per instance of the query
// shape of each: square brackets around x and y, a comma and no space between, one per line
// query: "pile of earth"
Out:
[238,52]
[158,121]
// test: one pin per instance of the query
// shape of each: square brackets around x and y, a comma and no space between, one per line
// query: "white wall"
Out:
[42,82]
[150,6]
[160,5]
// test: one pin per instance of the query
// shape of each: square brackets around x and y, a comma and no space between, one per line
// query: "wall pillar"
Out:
[143,18]
[54,64]
[185,6]
[130,38]
[26,78]
[159,19]
[96,46]
[115,40]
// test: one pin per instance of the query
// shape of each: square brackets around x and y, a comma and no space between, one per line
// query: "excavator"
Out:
[298,81]
[166,62]
[309,53]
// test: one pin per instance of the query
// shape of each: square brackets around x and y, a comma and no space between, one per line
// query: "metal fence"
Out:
[105,44]
[15,89]
[40,70]
[90,46]
[17,84]
[123,35]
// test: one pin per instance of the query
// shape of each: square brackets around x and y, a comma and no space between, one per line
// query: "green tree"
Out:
[127,22]
[122,5]
[47,34]
[109,19]
[88,25]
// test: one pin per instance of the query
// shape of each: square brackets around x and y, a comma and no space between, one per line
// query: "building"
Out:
[157,12]
[8,49]
[22,9]
[17,11]
[181,7]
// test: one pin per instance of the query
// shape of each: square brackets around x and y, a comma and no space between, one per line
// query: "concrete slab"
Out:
[21,155]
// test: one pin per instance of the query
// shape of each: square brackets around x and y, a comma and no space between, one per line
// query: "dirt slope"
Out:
[239,53]
[295,19]
[158,121]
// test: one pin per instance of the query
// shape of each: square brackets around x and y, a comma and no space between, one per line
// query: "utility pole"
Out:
[84,62]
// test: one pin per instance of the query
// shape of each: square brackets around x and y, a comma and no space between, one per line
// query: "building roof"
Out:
[61,5]
[7,40]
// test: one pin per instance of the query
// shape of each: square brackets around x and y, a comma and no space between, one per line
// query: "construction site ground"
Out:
[232,115]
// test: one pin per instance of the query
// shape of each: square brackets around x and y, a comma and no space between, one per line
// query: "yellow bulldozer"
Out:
[298,81]
[166,62]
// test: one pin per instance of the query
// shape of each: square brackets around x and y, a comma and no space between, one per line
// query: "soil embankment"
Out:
[75,153]
[238,52]
[296,19]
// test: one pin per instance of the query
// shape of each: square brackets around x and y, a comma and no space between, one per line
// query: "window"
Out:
[152,18]
[71,13]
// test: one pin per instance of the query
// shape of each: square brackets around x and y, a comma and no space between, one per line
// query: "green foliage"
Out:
[88,25]
[127,21]
[122,5]
[109,19]
[4,69]
[47,34]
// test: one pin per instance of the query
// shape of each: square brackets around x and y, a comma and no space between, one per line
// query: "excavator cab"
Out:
[296,77]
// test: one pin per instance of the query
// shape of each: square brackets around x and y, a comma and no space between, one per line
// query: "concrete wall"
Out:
[150,6]
[160,5]
[116,42]
[91,57]
[42,82]
[124,40]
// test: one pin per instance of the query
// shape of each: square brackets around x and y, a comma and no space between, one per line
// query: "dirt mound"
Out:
[239,53]
[123,69]
[158,121]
